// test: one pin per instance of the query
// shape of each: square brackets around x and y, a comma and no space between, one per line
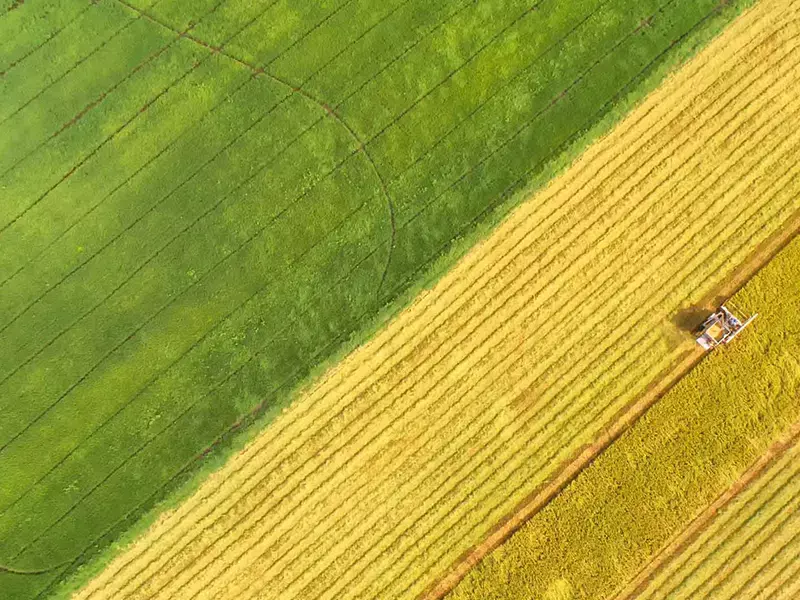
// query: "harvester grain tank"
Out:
[722,327]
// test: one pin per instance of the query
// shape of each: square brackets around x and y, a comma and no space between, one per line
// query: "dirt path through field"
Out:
[406,454]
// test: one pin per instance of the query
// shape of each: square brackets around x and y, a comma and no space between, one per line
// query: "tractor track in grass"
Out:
[752,216]
[44,42]
[179,34]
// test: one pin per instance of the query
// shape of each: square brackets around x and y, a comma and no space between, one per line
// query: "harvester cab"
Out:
[721,328]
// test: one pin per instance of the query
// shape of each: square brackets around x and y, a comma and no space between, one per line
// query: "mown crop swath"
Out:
[698,499]
[404,455]
[202,201]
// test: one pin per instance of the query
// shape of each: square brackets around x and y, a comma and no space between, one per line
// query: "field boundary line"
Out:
[699,524]
[627,417]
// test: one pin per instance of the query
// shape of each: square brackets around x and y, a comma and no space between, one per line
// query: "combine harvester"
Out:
[721,328]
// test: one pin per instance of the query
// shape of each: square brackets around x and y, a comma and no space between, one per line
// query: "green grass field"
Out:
[685,452]
[202,203]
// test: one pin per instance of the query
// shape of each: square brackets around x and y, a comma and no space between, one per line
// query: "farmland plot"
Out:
[202,201]
[404,455]
[643,515]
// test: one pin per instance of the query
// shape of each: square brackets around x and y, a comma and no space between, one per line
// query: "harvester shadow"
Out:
[689,319]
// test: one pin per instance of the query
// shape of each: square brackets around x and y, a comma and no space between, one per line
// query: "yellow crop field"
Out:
[407,453]
[751,550]
[698,499]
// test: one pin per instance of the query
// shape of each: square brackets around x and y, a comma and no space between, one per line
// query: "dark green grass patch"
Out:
[186,238]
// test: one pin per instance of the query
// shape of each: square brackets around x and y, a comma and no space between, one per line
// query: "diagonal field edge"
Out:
[188,288]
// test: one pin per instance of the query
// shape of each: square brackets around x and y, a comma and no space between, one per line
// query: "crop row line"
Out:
[55,80]
[44,42]
[776,555]
[786,572]
[781,514]
[776,523]
[730,535]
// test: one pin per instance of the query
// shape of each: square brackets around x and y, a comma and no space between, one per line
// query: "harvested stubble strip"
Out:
[650,484]
[405,454]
